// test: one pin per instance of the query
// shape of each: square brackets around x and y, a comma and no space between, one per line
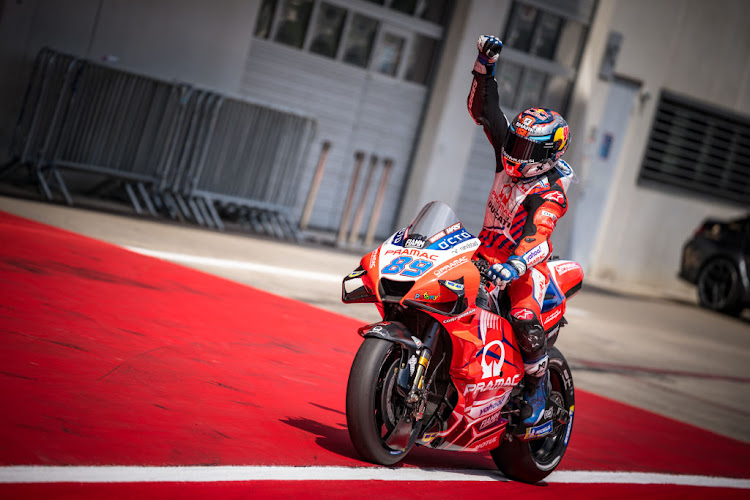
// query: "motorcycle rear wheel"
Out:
[532,461]
[374,409]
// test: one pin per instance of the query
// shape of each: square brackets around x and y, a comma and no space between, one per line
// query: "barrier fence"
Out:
[171,149]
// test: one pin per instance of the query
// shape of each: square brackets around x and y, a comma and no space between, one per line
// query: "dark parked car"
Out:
[716,259]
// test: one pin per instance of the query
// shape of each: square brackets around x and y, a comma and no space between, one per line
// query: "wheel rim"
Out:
[389,411]
[716,284]
[548,451]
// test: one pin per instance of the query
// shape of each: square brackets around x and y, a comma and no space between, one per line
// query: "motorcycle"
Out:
[443,368]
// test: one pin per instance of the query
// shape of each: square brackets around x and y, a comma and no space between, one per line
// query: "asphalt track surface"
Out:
[127,376]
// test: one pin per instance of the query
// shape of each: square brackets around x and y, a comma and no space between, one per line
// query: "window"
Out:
[265,18]
[405,6]
[520,27]
[697,148]
[389,54]
[546,36]
[543,48]
[359,42]
[435,11]
[293,21]
[327,30]
[377,40]
[422,59]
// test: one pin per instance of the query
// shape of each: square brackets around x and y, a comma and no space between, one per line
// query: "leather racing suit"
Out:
[520,216]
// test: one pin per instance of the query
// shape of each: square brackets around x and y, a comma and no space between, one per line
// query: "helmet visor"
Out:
[523,150]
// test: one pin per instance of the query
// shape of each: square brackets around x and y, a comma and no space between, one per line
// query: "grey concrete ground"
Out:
[669,357]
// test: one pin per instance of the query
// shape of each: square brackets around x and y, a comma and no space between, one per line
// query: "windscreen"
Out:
[431,222]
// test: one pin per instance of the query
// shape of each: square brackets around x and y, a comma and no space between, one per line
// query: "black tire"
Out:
[532,461]
[373,407]
[719,287]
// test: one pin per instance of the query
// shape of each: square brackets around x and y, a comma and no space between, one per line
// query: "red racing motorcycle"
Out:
[442,371]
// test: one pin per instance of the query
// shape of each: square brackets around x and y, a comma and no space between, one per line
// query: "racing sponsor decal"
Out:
[547,213]
[426,296]
[536,254]
[452,229]
[567,381]
[466,247]
[539,431]
[487,444]
[413,252]
[373,259]
[493,385]
[493,368]
[356,274]
[570,426]
[490,422]
[462,315]
[437,236]
[413,243]
[451,240]
[552,316]
[453,286]
[378,330]
[523,314]
[555,196]
[428,437]
[488,408]
[398,237]
[564,268]
[451,265]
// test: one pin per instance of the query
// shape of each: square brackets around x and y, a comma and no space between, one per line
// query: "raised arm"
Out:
[484,101]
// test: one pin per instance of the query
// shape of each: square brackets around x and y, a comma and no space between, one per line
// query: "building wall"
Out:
[441,161]
[691,47]
[356,110]
[204,43]
[687,46]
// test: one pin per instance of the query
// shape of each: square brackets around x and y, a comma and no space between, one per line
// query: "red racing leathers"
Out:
[520,216]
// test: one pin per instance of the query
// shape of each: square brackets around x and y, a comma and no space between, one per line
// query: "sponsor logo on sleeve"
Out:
[547,213]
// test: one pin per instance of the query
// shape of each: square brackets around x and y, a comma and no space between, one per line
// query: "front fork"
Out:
[428,346]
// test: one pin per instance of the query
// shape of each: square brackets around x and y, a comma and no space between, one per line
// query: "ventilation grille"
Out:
[699,149]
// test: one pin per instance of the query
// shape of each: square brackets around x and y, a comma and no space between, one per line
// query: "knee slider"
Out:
[529,333]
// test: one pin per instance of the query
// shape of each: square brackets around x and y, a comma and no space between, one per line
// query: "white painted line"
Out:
[184,258]
[131,474]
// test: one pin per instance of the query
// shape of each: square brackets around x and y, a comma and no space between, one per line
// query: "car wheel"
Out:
[719,287]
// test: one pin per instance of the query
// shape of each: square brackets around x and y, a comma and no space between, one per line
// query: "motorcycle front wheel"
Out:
[380,425]
[532,461]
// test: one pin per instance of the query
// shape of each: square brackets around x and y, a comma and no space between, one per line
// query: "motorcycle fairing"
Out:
[484,371]
[432,272]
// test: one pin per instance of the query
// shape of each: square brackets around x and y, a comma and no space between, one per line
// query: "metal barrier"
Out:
[172,149]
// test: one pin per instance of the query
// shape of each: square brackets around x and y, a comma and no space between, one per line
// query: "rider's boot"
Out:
[537,390]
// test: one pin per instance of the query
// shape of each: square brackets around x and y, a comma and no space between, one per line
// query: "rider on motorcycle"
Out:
[526,200]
